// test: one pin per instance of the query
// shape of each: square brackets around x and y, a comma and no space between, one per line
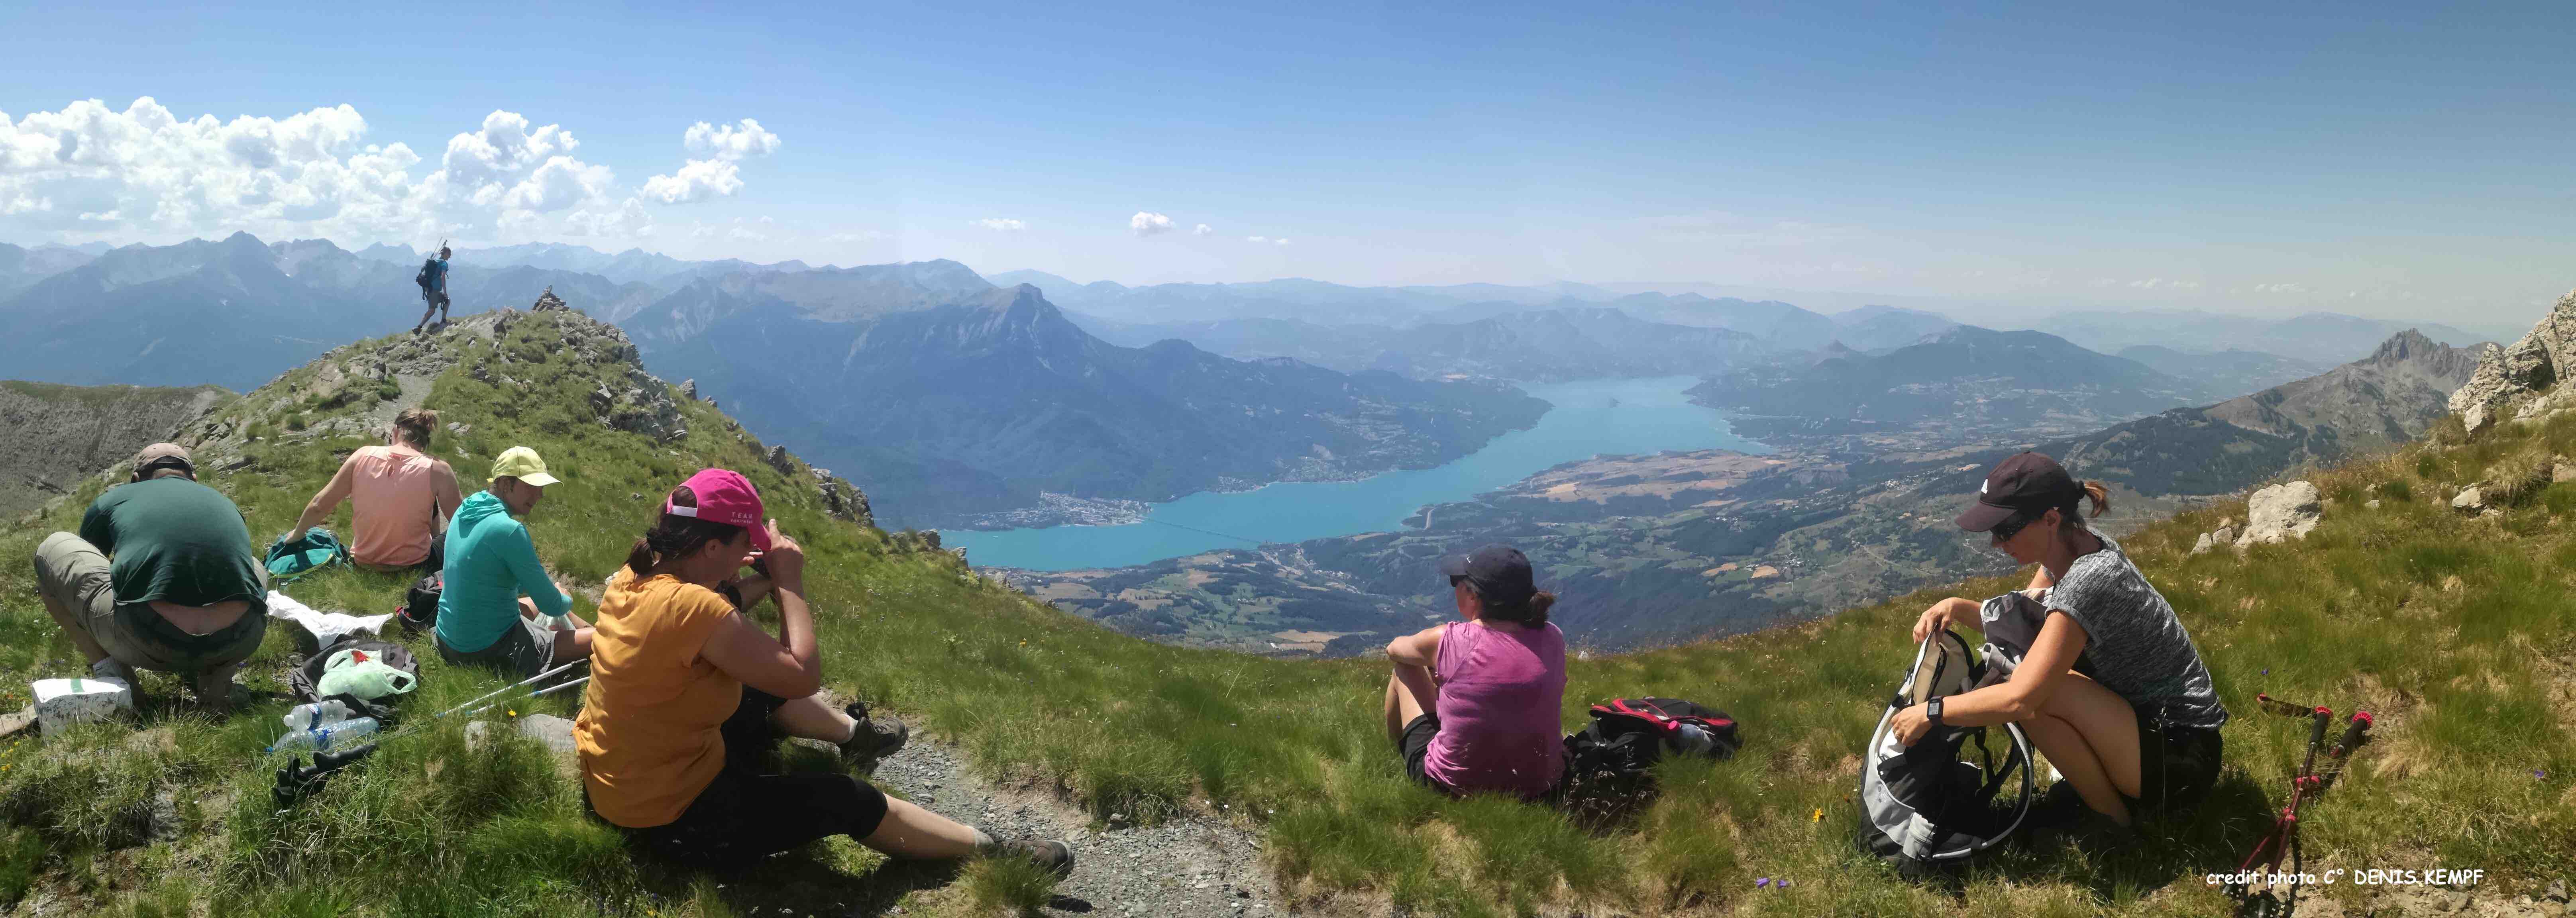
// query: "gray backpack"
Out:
[1924,808]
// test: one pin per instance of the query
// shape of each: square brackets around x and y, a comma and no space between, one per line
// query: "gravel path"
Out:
[1193,866]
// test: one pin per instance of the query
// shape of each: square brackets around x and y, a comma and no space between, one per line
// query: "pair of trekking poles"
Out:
[296,780]
[2305,785]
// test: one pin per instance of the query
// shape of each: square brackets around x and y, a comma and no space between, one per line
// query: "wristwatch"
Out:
[1932,711]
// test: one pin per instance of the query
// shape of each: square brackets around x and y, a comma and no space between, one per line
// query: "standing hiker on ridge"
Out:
[402,499]
[185,593]
[499,609]
[2112,689]
[1473,705]
[433,289]
[688,698]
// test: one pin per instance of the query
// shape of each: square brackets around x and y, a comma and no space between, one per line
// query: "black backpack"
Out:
[1610,763]
[302,679]
[419,610]
[427,267]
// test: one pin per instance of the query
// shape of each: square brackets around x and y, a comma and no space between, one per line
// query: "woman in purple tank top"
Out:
[1474,706]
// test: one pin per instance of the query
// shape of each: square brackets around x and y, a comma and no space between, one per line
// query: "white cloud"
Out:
[2280,288]
[502,148]
[625,221]
[1256,239]
[559,184]
[1002,224]
[1279,241]
[729,142]
[701,179]
[1147,223]
[1202,230]
[89,169]
[858,236]
[145,169]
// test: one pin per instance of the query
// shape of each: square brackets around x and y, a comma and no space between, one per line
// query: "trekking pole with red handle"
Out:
[2306,784]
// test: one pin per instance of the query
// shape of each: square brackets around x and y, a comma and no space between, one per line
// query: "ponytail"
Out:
[674,535]
[2099,494]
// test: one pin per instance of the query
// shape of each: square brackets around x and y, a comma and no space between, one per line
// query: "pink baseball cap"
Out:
[724,497]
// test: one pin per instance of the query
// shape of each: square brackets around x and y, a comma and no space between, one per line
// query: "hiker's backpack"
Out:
[419,610]
[302,679]
[428,267]
[1923,808]
[290,561]
[1610,763]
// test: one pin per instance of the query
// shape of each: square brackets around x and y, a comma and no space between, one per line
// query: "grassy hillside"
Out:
[2454,628]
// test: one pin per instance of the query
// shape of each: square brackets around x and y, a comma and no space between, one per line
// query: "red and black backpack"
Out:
[1610,763]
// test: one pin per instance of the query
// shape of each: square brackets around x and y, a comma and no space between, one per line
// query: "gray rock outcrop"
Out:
[548,300]
[2471,499]
[2281,513]
[2538,362]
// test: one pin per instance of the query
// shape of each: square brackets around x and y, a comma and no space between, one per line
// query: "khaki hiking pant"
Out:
[74,573]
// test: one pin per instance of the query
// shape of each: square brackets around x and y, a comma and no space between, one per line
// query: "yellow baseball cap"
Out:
[521,463]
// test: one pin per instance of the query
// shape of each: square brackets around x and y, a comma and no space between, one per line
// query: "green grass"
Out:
[2453,628]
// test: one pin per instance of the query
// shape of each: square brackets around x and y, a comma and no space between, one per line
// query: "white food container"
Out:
[63,702]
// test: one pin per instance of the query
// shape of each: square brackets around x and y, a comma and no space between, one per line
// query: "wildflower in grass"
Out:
[1764,883]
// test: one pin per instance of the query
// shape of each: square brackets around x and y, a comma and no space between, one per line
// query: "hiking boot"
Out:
[1054,856]
[112,668]
[872,739]
[2061,815]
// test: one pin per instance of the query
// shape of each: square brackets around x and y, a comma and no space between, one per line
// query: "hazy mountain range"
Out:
[2318,337]
[946,397]
[2373,403]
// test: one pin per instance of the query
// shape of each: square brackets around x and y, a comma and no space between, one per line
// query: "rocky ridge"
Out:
[2508,377]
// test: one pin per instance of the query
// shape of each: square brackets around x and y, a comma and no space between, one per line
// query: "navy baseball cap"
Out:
[2026,483]
[1500,572]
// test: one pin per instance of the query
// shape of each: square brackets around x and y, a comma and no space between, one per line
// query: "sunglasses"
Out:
[2011,526]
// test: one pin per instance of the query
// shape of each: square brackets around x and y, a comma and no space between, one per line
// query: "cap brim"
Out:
[540,479]
[760,537]
[1453,565]
[1982,516]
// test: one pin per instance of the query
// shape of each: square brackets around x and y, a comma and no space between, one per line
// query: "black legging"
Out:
[746,814]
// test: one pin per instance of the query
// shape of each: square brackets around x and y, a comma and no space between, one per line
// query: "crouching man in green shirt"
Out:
[184,593]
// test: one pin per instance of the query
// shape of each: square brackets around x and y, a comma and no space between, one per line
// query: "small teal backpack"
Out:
[290,561]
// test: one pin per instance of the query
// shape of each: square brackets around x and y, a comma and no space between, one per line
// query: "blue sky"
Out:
[2381,161]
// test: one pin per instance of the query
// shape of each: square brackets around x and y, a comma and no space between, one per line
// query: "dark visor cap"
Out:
[1500,572]
[2026,483]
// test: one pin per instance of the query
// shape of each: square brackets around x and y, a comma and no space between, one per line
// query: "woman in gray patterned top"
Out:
[2112,690]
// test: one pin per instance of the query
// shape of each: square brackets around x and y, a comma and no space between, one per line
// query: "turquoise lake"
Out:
[1590,418]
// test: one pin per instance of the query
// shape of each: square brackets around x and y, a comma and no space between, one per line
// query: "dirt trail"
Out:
[1198,865]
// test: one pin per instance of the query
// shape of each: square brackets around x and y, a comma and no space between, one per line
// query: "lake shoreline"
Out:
[1587,419]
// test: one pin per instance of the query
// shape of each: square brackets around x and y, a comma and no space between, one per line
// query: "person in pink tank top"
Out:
[402,497]
[1475,706]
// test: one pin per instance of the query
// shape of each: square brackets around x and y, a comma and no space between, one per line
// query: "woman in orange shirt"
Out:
[687,697]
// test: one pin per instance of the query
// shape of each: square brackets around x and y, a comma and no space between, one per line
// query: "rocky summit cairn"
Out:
[2281,513]
[2506,375]
[548,300]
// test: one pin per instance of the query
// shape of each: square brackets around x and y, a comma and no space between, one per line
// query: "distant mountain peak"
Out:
[2403,345]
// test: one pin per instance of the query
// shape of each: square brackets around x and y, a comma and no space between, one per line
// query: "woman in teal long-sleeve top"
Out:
[498,607]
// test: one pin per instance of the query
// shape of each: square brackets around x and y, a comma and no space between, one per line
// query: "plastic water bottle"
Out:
[326,736]
[1691,740]
[316,715]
